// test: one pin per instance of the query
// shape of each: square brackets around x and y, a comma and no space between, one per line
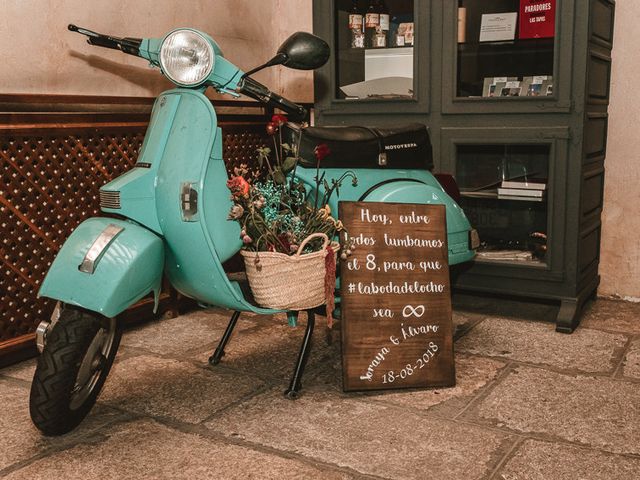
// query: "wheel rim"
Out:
[93,363]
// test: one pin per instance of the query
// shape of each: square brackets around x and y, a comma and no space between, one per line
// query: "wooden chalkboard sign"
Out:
[397,330]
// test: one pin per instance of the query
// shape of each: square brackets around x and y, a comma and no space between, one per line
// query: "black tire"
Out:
[80,348]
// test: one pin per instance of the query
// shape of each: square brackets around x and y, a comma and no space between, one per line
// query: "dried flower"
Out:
[293,248]
[236,212]
[321,152]
[241,171]
[239,186]
[247,240]
[272,128]
[279,120]
[259,202]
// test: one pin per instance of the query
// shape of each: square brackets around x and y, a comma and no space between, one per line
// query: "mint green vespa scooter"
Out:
[172,219]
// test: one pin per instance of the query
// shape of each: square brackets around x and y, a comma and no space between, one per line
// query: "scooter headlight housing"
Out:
[186,57]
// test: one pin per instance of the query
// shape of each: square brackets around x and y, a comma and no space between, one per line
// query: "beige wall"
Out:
[39,55]
[620,253]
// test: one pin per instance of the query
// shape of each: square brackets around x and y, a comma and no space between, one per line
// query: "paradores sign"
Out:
[396,298]
[537,18]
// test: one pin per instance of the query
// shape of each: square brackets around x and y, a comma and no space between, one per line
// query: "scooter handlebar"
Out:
[126,45]
[251,88]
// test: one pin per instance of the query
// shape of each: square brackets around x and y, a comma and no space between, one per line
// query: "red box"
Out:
[537,18]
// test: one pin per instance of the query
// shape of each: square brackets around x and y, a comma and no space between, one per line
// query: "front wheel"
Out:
[73,367]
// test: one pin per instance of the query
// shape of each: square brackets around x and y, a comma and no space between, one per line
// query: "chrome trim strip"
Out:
[96,250]
[110,200]
[41,335]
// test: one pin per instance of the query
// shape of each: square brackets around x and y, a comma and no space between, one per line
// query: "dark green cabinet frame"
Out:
[573,123]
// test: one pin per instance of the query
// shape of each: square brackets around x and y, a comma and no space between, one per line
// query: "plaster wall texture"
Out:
[40,56]
[620,249]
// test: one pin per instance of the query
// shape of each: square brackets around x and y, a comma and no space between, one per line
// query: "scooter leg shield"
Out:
[105,266]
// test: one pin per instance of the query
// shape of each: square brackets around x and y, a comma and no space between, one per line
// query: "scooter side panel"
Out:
[128,269]
[197,246]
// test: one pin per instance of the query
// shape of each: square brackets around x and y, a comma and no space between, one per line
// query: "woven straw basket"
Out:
[289,282]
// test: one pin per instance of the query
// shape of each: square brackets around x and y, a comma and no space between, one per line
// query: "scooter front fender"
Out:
[105,266]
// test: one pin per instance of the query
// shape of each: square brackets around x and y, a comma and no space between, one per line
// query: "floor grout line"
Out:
[506,457]
[618,371]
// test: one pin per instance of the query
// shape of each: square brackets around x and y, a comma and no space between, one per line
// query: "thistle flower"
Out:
[279,120]
[321,152]
[236,212]
[259,202]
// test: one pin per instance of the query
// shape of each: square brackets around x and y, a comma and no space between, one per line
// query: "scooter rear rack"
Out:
[295,384]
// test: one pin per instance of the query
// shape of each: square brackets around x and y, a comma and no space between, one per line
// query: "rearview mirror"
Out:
[303,51]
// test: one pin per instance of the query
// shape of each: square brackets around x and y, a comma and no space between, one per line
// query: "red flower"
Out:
[238,186]
[321,152]
[279,120]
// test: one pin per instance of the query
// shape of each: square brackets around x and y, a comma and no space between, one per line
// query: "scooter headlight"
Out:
[186,57]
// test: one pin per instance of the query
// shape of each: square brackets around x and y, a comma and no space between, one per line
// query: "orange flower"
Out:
[238,186]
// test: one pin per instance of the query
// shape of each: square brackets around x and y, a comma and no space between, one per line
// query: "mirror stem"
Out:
[279,59]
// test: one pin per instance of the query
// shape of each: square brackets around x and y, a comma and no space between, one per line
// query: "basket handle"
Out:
[311,237]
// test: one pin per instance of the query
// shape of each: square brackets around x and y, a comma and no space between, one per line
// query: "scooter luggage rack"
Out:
[295,385]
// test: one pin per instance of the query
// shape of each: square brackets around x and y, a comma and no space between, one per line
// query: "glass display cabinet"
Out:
[375,41]
[515,95]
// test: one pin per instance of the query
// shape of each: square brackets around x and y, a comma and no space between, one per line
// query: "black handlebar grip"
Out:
[256,90]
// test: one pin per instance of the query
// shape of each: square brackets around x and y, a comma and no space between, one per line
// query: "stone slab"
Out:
[367,437]
[536,460]
[22,371]
[596,411]
[173,389]
[463,321]
[472,375]
[20,440]
[631,366]
[536,342]
[613,315]
[176,336]
[166,453]
[271,349]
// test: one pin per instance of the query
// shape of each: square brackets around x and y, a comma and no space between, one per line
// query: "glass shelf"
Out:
[504,193]
[375,54]
[501,53]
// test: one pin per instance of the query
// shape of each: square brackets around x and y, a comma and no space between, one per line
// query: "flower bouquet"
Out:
[287,232]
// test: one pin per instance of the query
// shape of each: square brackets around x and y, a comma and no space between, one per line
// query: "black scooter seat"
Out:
[404,147]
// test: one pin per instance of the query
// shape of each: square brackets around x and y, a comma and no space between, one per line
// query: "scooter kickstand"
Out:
[293,391]
[219,352]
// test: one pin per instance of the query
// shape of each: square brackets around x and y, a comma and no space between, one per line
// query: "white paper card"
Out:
[498,27]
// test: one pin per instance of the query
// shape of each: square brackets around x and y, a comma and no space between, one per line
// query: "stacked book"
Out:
[530,190]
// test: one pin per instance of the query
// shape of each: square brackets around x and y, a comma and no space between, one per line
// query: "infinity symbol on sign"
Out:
[410,310]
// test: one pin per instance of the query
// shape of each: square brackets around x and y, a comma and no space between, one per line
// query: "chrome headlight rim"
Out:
[164,52]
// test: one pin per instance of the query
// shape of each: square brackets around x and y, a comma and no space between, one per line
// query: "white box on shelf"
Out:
[388,62]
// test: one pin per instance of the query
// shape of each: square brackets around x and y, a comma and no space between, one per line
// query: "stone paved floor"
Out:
[529,404]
